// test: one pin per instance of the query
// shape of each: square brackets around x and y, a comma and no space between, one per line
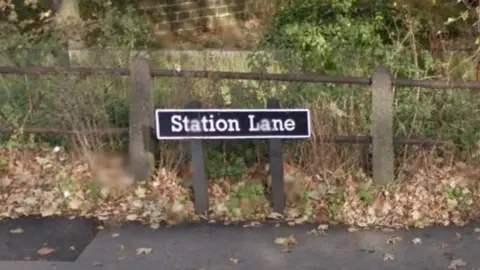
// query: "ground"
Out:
[216,246]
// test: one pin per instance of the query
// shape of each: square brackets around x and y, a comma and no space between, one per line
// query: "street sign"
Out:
[187,124]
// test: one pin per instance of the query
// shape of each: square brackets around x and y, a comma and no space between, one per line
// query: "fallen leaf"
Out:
[443,245]
[388,257]
[140,192]
[394,240]
[286,241]
[114,235]
[352,229]
[45,250]
[16,231]
[72,247]
[252,224]
[233,260]
[99,264]
[132,217]
[144,251]
[74,204]
[454,264]
[322,227]
[275,215]
[416,241]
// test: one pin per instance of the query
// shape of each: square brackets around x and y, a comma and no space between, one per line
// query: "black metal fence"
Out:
[141,123]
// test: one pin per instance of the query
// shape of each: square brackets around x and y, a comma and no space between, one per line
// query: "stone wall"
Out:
[181,15]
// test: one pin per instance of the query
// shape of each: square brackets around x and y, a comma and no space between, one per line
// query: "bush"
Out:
[351,38]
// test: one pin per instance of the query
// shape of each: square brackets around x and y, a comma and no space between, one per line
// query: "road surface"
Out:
[218,247]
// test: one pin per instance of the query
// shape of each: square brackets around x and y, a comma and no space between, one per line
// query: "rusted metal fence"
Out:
[141,123]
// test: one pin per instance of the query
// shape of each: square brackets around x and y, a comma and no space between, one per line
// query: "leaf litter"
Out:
[47,183]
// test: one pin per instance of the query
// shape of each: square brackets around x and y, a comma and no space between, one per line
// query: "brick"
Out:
[187,5]
[183,15]
[236,8]
[178,25]
[206,11]
[222,10]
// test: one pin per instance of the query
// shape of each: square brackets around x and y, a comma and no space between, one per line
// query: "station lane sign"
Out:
[187,124]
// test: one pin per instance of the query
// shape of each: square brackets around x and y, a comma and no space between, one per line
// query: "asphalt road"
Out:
[235,247]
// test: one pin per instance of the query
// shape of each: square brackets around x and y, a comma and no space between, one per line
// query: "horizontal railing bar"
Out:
[288,77]
[437,84]
[339,139]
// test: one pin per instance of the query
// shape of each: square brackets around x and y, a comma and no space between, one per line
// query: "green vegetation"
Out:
[347,37]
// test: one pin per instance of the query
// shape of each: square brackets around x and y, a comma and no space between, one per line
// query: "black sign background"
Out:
[300,116]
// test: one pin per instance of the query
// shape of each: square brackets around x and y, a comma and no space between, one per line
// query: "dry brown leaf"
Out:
[275,215]
[286,241]
[394,240]
[45,251]
[144,251]
[388,257]
[132,217]
[17,231]
[98,264]
[253,224]
[352,229]
[322,227]
[416,241]
[141,192]
[74,204]
[454,264]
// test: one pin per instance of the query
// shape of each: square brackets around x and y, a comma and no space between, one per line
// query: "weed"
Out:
[365,195]
[459,198]
[335,200]
[245,198]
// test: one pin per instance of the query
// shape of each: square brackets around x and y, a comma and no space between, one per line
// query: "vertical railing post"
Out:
[382,126]
[142,145]
[276,166]
[197,158]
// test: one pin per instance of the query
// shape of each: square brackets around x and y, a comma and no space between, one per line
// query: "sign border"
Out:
[157,127]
